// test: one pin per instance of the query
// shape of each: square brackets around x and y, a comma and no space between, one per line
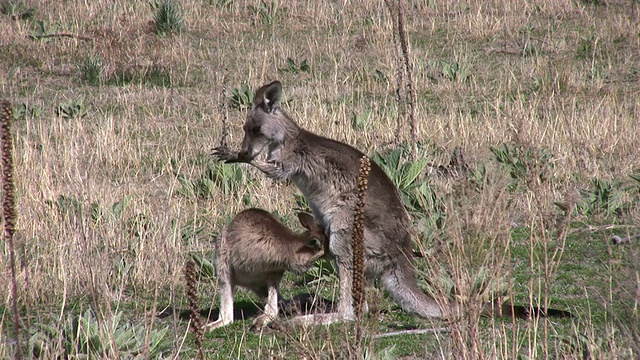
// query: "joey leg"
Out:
[270,308]
[226,307]
[225,284]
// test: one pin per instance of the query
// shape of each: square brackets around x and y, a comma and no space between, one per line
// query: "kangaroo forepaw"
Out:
[225,154]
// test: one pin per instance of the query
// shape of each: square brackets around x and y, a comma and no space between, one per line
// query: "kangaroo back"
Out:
[258,242]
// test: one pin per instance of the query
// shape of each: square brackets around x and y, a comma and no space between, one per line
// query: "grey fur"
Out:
[254,251]
[325,171]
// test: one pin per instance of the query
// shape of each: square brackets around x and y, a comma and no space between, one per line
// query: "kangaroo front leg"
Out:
[341,248]
[225,154]
[270,309]
[345,275]
[269,168]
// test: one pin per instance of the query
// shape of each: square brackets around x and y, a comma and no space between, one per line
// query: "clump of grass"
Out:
[361,121]
[91,69]
[219,3]
[524,164]
[167,17]
[241,98]
[455,72]
[605,197]
[72,109]
[16,10]
[218,178]
[25,110]
[153,75]
[418,196]
[42,30]
[86,336]
[295,68]
[268,12]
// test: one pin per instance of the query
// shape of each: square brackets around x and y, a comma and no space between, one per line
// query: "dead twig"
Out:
[412,332]
[60,35]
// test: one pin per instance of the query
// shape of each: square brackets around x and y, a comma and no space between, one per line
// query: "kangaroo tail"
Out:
[402,285]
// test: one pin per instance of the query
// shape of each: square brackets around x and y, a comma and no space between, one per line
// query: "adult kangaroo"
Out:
[325,171]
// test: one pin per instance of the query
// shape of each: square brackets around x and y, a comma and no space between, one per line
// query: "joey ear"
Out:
[268,96]
[308,221]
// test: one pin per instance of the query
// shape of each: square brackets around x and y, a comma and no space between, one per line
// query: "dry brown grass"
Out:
[559,75]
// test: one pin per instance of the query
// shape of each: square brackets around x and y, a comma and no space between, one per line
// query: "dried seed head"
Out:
[9,208]
[192,295]
[358,237]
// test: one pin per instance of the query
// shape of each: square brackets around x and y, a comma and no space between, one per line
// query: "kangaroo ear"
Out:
[307,221]
[268,96]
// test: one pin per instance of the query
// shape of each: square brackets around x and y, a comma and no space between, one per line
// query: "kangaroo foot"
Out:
[215,325]
[261,322]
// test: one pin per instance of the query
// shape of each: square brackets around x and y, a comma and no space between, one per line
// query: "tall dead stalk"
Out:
[225,113]
[404,66]
[358,251]
[192,295]
[9,208]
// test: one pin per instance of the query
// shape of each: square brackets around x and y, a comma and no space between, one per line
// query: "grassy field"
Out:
[117,109]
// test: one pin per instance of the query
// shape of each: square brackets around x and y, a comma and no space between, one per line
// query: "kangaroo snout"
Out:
[243,155]
[250,148]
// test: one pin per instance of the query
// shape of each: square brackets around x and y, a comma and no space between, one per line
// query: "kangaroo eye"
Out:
[314,243]
[255,130]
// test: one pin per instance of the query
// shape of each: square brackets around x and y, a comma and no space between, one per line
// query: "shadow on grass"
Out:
[241,310]
[300,304]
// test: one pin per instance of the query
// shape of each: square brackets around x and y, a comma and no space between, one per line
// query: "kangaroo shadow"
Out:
[300,304]
[241,310]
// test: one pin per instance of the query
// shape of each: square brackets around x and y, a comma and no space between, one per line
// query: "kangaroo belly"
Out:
[253,280]
[256,264]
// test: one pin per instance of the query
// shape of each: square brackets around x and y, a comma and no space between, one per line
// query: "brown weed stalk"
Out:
[411,94]
[9,208]
[404,66]
[225,113]
[358,249]
[192,295]
[399,69]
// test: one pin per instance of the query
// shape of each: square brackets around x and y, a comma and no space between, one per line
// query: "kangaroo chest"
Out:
[328,203]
